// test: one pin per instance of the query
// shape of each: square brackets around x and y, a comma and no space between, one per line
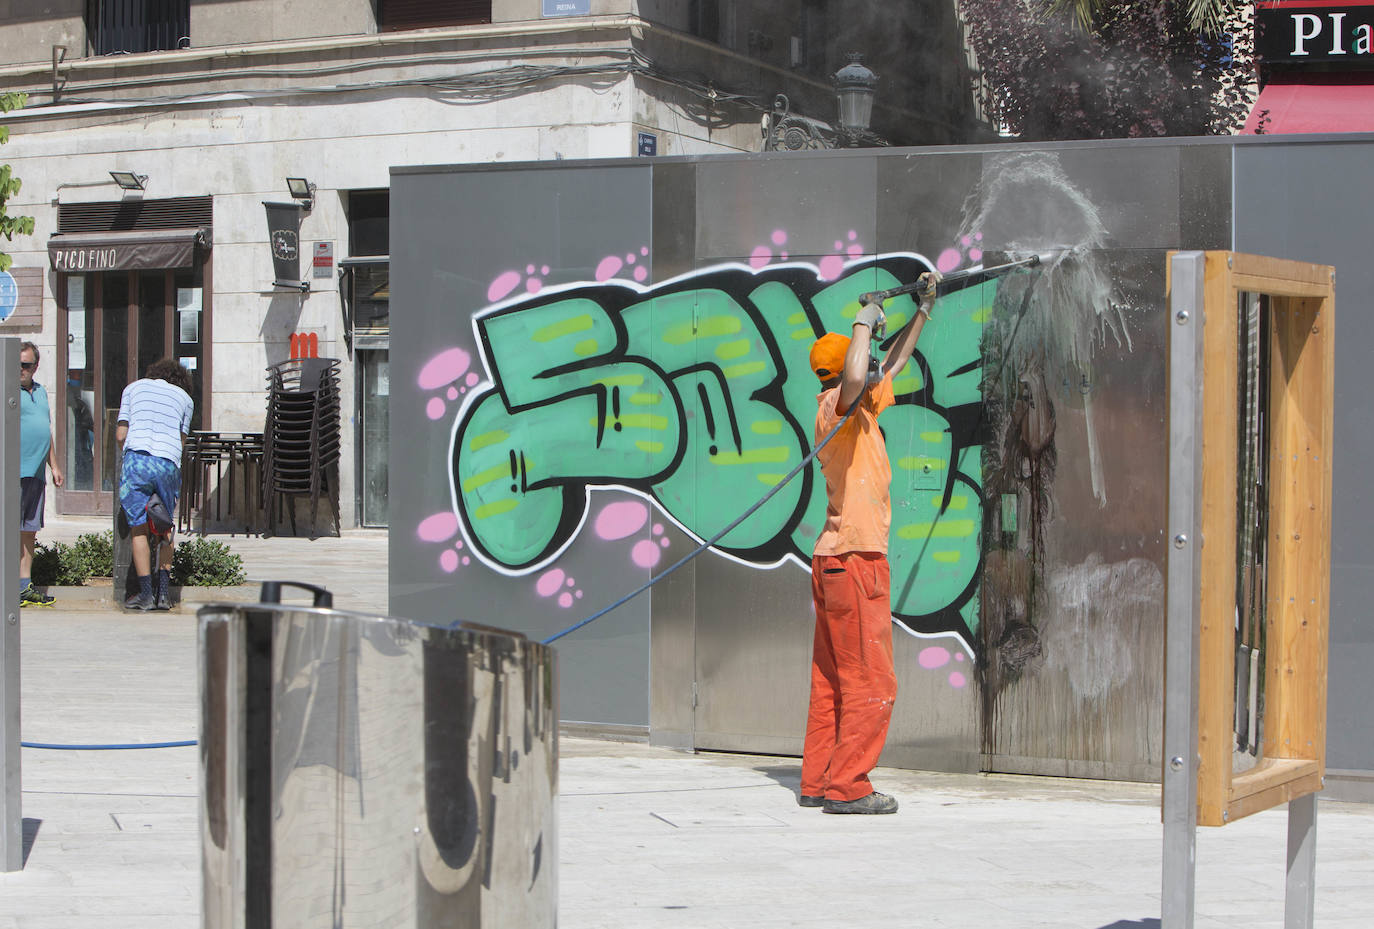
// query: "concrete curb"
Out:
[97,595]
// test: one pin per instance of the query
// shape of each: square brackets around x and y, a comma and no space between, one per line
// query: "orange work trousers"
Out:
[853,684]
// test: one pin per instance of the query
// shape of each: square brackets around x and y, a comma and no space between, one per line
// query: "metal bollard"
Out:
[11,774]
[361,770]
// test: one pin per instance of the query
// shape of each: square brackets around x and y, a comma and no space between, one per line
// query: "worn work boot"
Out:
[30,596]
[807,800]
[141,602]
[873,803]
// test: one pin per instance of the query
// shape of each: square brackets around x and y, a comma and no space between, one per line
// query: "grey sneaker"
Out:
[30,596]
[807,800]
[141,602]
[873,803]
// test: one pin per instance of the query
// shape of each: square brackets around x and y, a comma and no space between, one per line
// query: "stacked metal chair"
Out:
[301,439]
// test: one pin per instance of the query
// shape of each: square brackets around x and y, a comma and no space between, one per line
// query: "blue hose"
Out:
[108,747]
[718,536]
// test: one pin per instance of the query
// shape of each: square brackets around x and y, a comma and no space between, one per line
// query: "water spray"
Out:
[954,277]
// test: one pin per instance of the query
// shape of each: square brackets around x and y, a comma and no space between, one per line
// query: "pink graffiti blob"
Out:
[444,368]
[619,520]
[438,528]
[832,266]
[763,254]
[448,560]
[609,267]
[933,657]
[645,554]
[534,284]
[434,408]
[550,582]
[957,680]
[505,282]
[555,582]
[949,260]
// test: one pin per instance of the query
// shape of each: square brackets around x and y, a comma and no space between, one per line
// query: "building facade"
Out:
[158,138]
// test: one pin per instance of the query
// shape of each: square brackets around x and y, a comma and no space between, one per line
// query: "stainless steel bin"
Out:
[368,771]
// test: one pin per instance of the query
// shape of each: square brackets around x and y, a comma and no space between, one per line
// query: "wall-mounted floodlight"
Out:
[302,190]
[128,180]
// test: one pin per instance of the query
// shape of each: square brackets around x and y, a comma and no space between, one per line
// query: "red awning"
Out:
[1319,103]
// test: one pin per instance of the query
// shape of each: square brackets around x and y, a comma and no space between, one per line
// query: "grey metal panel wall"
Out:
[1307,199]
[463,241]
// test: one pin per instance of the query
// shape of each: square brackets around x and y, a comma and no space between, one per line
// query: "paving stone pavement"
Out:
[647,837]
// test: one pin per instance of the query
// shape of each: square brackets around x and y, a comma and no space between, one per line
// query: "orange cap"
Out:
[827,355]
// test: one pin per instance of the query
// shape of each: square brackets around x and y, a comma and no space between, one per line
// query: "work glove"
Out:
[928,281]
[871,315]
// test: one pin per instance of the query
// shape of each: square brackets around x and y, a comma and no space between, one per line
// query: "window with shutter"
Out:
[396,15]
[114,26]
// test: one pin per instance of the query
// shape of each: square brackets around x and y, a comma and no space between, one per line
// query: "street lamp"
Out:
[854,85]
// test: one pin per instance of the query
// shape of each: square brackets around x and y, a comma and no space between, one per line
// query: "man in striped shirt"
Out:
[154,418]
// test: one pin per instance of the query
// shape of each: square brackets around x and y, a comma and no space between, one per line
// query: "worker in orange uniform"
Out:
[853,684]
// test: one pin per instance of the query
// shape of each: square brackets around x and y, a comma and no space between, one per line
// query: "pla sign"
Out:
[1297,32]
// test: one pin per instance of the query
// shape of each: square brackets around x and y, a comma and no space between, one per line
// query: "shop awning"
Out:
[1318,103]
[75,253]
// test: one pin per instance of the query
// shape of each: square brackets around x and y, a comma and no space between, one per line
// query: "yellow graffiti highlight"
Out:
[495,508]
[744,370]
[909,381]
[949,529]
[947,557]
[586,347]
[920,463]
[934,435]
[799,335]
[479,442]
[796,318]
[562,328]
[707,328]
[752,456]
[957,502]
[497,473]
[770,480]
[766,426]
[621,380]
[727,350]
[650,447]
[645,399]
[637,421]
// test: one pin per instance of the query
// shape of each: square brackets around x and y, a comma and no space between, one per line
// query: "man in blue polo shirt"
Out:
[36,451]
[154,417]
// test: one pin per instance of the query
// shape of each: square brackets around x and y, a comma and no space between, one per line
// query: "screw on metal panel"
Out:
[13,619]
[1226,816]
[1176,763]
[1180,540]
[1182,316]
[13,403]
[1229,261]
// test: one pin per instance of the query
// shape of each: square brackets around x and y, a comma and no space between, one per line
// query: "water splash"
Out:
[1026,205]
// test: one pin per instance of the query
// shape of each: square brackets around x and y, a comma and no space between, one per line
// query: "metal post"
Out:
[1300,891]
[1182,591]
[11,809]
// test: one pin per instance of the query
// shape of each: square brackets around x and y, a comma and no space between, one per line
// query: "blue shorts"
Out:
[32,491]
[141,477]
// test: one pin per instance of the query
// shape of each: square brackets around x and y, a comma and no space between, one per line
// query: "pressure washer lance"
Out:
[879,296]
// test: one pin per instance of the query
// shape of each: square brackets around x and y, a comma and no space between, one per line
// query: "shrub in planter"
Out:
[58,565]
[202,562]
[96,552]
